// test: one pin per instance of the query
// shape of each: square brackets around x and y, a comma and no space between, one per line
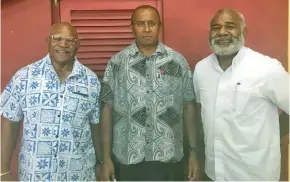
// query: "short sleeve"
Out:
[11,100]
[188,90]
[277,87]
[107,88]
[94,117]
[196,87]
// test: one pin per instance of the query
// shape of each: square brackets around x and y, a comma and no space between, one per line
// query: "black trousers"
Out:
[206,178]
[150,171]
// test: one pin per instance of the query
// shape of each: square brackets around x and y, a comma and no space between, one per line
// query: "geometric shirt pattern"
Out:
[147,95]
[56,143]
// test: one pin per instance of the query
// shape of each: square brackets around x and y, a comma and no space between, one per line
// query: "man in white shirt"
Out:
[239,91]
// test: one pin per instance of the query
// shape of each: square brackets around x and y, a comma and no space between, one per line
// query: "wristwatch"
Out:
[192,149]
[99,162]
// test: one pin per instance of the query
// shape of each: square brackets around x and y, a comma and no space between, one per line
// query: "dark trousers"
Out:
[150,171]
[206,178]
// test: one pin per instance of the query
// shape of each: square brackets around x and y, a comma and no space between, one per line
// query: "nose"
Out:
[146,28]
[63,43]
[223,31]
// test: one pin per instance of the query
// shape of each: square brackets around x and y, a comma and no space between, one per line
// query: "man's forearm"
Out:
[9,136]
[106,127]
[190,122]
[96,136]
[284,124]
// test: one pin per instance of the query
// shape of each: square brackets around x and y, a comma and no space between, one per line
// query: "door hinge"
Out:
[55,2]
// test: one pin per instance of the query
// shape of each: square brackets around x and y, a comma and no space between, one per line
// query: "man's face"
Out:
[146,27]
[63,44]
[226,35]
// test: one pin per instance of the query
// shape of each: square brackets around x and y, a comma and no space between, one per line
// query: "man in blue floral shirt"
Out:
[58,100]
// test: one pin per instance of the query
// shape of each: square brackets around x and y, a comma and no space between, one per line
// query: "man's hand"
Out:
[98,172]
[9,177]
[193,168]
[108,171]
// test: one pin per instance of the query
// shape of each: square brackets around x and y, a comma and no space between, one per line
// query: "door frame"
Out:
[56,14]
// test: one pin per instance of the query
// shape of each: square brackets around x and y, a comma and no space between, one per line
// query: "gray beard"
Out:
[234,47]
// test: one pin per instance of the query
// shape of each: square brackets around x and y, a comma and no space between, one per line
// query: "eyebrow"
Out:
[227,22]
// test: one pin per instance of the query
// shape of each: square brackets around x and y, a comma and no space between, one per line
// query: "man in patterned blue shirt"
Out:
[58,100]
[148,99]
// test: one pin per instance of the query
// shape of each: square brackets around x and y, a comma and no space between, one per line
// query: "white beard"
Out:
[234,47]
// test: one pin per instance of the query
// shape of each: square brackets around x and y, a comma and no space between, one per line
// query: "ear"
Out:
[77,44]
[160,26]
[245,32]
[208,36]
[132,28]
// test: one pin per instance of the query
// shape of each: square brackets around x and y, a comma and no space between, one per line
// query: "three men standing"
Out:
[147,100]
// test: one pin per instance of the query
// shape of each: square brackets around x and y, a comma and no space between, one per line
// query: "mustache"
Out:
[223,38]
[62,49]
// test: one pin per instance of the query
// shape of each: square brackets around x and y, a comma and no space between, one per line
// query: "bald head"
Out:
[63,42]
[234,13]
[64,28]
[143,7]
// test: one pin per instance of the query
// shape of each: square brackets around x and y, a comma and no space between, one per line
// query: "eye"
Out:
[215,28]
[70,40]
[151,24]
[140,24]
[231,27]
[56,38]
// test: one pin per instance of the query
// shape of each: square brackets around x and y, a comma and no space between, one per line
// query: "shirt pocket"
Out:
[171,84]
[247,98]
[80,106]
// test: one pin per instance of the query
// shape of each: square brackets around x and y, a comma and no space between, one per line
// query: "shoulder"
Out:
[176,57]
[174,54]
[260,60]
[91,76]
[122,55]
[260,64]
[203,65]
[35,68]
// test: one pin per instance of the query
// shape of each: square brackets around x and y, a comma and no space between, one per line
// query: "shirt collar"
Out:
[77,67]
[236,61]
[133,49]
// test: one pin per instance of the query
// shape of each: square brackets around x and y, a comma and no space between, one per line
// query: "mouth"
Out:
[62,51]
[223,41]
[147,37]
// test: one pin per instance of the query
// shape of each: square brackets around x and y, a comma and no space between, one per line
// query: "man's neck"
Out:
[226,61]
[61,67]
[147,50]
[63,70]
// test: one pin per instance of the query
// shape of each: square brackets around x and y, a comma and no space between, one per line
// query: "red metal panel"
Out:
[103,26]
[25,25]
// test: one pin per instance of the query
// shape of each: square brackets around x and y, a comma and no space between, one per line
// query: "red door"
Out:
[103,26]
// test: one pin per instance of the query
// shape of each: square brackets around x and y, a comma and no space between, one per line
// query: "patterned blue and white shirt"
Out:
[56,143]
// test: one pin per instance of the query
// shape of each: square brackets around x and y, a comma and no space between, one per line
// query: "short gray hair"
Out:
[241,16]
